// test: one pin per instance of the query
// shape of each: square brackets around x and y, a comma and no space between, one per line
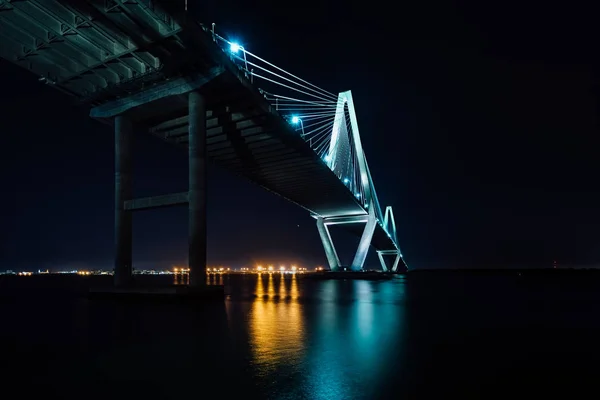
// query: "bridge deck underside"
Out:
[83,47]
[253,142]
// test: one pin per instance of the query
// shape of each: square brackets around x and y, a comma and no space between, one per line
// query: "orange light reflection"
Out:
[276,323]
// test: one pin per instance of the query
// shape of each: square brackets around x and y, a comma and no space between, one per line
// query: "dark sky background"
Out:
[480,125]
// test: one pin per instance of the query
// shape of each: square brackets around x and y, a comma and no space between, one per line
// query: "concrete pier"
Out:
[123,193]
[332,256]
[197,189]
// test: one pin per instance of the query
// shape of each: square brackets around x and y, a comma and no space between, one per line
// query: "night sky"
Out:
[480,126]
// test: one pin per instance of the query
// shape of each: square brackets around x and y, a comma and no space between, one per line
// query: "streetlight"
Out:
[295,120]
[235,48]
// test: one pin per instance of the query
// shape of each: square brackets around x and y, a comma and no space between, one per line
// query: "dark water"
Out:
[430,336]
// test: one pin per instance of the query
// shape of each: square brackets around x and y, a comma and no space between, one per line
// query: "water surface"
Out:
[288,337]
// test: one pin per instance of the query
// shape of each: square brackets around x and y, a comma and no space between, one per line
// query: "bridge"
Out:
[146,65]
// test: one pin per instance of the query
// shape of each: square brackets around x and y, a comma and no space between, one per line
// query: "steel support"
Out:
[332,257]
[165,200]
[123,193]
[197,189]
[365,242]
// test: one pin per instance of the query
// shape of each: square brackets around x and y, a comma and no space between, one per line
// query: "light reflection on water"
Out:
[321,339]
[284,337]
[181,279]
[358,337]
[276,325]
[214,279]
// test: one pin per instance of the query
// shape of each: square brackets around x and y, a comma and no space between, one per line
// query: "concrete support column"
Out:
[365,242]
[123,192]
[384,267]
[332,257]
[197,189]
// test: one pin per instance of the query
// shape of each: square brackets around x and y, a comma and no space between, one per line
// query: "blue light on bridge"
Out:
[234,47]
[346,180]
[357,195]
[327,158]
[295,119]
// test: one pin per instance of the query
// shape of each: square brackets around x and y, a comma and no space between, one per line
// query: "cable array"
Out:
[320,117]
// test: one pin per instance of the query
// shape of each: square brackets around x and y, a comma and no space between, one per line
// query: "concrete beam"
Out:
[183,131]
[175,123]
[166,200]
[167,89]
[332,256]
[365,242]
[397,259]
[182,122]
[123,193]
[352,219]
[384,267]
[214,126]
[215,132]
[197,206]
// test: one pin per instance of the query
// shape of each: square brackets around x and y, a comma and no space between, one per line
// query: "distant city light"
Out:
[234,47]
[180,272]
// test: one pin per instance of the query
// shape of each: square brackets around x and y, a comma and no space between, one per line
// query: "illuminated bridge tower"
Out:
[347,160]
